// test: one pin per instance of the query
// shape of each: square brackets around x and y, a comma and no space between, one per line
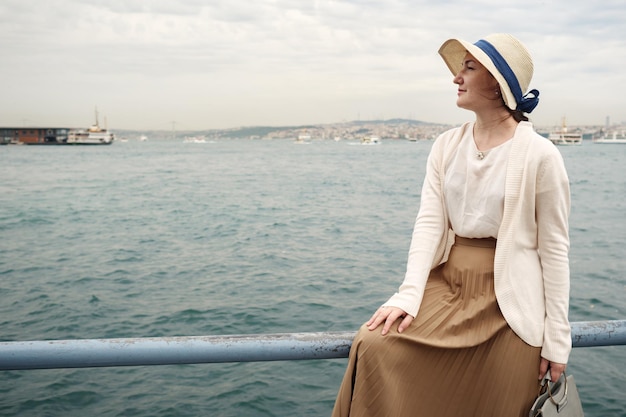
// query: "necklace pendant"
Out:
[480,155]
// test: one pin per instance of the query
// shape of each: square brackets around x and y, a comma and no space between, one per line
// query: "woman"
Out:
[482,312]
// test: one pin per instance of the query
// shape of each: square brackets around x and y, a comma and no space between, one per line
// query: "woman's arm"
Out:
[552,211]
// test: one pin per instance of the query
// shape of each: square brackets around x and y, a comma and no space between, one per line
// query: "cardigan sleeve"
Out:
[552,212]
[428,233]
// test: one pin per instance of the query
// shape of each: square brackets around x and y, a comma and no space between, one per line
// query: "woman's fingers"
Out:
[556,369]
[405,323]
[378,317]
[388,315]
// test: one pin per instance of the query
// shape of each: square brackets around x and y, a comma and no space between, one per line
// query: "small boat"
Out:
[563,137]
[194,139]
[614,137]
[95,135]
[370,140]
[303,139]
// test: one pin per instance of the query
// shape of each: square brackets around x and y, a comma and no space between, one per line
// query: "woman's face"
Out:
[478,89]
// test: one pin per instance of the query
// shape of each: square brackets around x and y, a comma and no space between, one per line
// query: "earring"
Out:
[497,92]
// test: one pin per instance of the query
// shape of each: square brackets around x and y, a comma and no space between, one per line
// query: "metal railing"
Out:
[87,353]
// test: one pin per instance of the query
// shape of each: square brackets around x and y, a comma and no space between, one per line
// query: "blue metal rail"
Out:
[87,353]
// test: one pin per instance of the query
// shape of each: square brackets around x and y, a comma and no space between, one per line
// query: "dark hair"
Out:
[518,115]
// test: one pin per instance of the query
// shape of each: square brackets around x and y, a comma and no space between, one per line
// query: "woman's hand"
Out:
[556,369]
[389,315]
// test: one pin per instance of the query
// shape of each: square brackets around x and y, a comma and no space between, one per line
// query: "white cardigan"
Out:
[531,266]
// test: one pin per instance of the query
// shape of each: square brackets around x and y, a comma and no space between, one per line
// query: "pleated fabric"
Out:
[458,358]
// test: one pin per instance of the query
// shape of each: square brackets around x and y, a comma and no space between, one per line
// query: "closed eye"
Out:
[469,64]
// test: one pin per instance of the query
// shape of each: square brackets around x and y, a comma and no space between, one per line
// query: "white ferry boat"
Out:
[95,135]
[563,137]
[614,137]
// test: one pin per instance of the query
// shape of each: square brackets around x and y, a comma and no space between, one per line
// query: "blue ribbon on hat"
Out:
[525,103]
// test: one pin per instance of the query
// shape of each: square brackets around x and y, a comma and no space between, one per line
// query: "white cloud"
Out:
[229,63]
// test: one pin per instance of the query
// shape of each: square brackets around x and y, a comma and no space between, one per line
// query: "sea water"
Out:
[165,238]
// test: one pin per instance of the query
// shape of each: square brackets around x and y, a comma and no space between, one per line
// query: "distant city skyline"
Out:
[185,65]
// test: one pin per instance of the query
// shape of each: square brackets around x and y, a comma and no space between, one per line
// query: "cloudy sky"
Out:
[207,64]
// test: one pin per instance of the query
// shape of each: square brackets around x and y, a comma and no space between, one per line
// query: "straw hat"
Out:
[506,58]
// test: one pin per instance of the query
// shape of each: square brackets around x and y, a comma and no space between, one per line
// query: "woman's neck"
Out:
[493,129]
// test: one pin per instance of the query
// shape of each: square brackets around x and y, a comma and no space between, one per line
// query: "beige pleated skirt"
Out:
[458,358]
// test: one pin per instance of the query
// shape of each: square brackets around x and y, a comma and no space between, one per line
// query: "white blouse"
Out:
[474,188]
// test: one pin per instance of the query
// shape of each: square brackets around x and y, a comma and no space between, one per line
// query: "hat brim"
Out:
[453,52]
